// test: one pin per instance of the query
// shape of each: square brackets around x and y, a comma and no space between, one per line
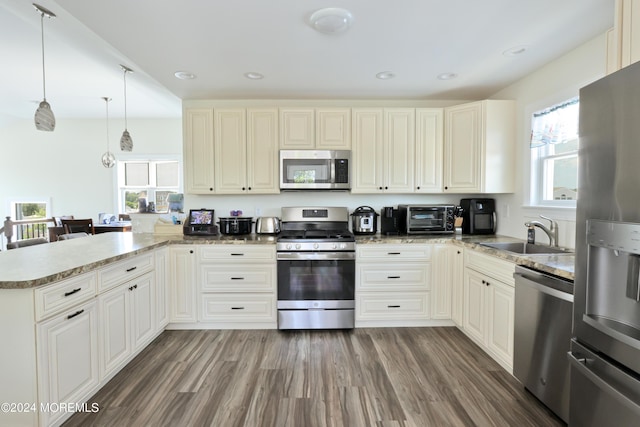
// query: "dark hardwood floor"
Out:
[363,377]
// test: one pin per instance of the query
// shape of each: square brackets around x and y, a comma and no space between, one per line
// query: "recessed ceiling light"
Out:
[184,75]
[516,50]
[253,75]
[331,20]
[447,76]
[385,75]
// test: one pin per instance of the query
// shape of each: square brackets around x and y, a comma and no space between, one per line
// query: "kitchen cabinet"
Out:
[237,286]
[127,322]
[488,317]
[315,128]
[162,288]
[198,151]
[392,285]
[479,147]
[246,151]
[429,150]
[446,262]
[623,40]
[383,150]
[183,283]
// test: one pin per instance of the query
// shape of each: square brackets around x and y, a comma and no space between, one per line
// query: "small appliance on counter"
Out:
[235,225]
[268,225]
[389,221]
[200,223]
[478,216]
[364,220]
[427,219]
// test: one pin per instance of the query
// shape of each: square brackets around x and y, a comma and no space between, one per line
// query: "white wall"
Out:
[63,166]
[553,83]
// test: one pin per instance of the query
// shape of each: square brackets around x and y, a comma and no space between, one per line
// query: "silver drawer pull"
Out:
[393,277]
[237,278]
[77,313]
[237,308]
[131,269]
[75,291]
[393,306]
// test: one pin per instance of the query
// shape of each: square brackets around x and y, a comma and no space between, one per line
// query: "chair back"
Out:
[72,236]
[78,226]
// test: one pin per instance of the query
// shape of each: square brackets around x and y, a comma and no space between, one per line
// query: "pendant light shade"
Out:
[108,159]
[44,118]
[126,143]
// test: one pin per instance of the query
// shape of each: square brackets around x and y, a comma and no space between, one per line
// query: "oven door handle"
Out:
[316,256]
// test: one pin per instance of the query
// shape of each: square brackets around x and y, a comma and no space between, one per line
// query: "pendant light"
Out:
[44,118]
[126,143]
[108,159]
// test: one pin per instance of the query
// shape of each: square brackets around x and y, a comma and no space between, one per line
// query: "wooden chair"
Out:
[124,217]
[57,220]
[78,226]
[72,236]
[26,242]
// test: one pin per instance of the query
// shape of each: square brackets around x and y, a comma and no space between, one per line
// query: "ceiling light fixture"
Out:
[516,50]
[44,118]
[184,75]
[108,159]
[385,75]
[331,20]
[253,75]
[126,143]
[447,76]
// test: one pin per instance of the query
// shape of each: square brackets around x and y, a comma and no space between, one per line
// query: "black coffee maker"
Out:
[389,217]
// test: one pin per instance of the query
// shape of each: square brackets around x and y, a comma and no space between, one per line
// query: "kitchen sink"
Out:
[525,248]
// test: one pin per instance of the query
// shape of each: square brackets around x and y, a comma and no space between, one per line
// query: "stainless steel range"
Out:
[316,269]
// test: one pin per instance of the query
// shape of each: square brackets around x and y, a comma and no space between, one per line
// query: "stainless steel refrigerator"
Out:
[605,350]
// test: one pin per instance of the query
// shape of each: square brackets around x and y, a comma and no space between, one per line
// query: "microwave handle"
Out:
[495,222]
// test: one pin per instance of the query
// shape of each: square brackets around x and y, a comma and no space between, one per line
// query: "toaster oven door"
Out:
[424,219]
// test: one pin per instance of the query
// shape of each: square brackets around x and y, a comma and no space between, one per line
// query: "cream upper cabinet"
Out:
[315,128]
[297,128]
[198,151]
[333,129]
[246,151]
[383,150]
[623,40]
[429,150]
[479,147]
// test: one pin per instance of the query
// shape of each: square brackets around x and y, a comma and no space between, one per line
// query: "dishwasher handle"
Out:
[522,279]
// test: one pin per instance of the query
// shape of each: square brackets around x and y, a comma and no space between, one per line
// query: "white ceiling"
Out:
[220,40]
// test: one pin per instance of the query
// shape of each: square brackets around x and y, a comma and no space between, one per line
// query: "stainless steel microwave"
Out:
[315,169]
[427,219]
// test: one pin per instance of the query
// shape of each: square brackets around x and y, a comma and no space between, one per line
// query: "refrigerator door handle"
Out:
[581,366]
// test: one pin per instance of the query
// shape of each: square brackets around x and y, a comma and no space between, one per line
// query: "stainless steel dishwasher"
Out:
[543,315]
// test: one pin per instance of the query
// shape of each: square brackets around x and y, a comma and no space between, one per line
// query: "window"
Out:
[149,182]
[554,155]
[32,211]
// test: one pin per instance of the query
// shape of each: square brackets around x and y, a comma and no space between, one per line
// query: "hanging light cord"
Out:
[125,99]
[107,105]
[44,89]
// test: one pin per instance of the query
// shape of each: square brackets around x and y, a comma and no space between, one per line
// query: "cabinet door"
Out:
[443,263]
[198,151]
[333,129]
[230,151]
[262,151]
[474,317]
[162,288]
[463,148]
[297,128]
[67,359]
[367,170]
[500,310]
[183,283]
[115,329]
[143,303]
[457,287]
[399,149]
[429,149]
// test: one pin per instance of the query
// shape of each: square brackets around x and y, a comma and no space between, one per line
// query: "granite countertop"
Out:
[43,264]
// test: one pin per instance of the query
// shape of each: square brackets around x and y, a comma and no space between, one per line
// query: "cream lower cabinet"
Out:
[393,284]
[162,288]
[237,286]
[446,283]
[488,317]
[127,322]
[182,286]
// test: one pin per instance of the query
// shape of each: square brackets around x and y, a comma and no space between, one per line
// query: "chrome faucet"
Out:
[551,231]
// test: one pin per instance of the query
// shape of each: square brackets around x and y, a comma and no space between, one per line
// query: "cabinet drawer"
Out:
[403,252]
[124,270]
[395,276]
[408,305]
[60,296]
[238,253]
[260,278]
[491,266]
[238,308]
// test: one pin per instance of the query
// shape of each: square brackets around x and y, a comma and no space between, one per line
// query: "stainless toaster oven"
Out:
[427,219]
